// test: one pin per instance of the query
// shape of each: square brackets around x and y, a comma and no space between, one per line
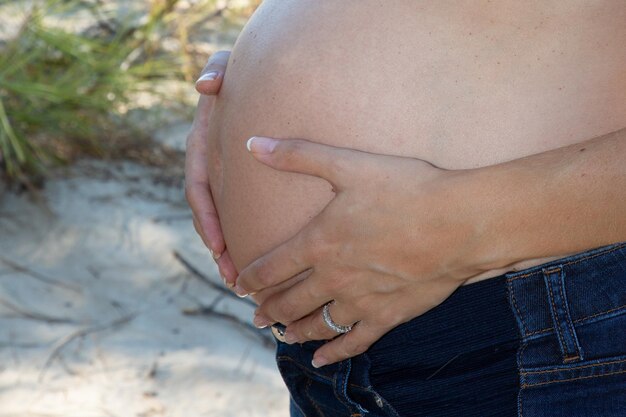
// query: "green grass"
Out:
[64,93]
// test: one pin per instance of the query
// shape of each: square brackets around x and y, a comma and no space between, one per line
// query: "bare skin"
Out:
[467,91]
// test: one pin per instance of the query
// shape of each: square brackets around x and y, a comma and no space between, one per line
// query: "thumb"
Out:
[337,165]
[211,77]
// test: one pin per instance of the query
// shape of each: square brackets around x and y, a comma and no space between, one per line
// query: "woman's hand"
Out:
[197,188]
[397,239]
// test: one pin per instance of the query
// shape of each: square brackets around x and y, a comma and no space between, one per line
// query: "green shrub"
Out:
[61,89]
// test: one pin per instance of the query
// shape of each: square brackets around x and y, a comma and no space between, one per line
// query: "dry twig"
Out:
[217,287]
[80,333]
[34,315]
[40,277]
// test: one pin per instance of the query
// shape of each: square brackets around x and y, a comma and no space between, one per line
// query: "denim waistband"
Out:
[569,290]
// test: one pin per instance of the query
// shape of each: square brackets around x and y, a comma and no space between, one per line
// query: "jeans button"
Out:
[279,333]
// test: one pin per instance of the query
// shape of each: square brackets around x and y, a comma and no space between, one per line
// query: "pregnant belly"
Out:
[461,86]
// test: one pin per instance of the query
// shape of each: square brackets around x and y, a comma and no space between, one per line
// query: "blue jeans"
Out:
[546,341]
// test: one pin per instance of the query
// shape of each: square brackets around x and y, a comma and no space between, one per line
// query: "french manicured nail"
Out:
[230,285]
[261,322]
[209,76]
[290,338]
[261,145]
[241,293]
[319,362]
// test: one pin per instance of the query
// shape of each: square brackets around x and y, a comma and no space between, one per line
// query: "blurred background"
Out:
[109,303]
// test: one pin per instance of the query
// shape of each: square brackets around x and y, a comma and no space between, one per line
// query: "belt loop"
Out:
[554,279]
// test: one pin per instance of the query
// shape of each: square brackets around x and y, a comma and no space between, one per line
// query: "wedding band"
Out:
[330,323]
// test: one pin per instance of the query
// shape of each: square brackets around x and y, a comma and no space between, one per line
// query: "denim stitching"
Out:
[573,379]
[591,365]
[351,402]
[390,411]
[519,314]
[548,329]
[623,245]
[599,314]
[568,320]
[555,316]
[345,404]
[308,395]
[520,354]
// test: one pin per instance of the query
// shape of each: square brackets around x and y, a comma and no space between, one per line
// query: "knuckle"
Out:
[356,348]
[336,284]
[286,310]
[344,250]
[361,305]
[314,292]
[319,328]
[338,165]
[390,318]
[291,150]
[296,329]
[320,243]
[264,276]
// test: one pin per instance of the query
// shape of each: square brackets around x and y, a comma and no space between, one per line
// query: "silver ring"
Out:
[330,323]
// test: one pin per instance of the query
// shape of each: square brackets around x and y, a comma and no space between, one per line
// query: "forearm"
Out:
[554,203]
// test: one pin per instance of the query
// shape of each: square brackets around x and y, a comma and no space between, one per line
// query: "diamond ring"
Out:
[330,323]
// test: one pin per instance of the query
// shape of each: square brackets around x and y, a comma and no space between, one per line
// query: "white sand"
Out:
[105,245]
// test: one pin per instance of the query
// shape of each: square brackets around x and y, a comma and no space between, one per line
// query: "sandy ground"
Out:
[99,318]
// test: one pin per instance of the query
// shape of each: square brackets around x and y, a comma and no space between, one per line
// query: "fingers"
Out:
[227,269]
[313,326]
[197,187]
[279,265]
[293,304]
[267,293]
[200,125]
[336,165]
[209,230]
[198,195]
[348,345]
[212,75]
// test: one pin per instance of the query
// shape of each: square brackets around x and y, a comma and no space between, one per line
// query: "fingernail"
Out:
[261,322]
[215,257]
[261,145]
[229,285]
[209,76]
[241,293]
[319,362]
[290,338]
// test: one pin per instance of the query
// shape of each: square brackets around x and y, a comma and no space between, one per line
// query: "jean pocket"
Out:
[592,386]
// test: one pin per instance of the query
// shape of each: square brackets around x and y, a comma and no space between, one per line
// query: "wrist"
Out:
[490,200]
[469,198]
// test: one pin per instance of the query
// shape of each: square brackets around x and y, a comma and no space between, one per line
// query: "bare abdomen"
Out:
[458,87]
